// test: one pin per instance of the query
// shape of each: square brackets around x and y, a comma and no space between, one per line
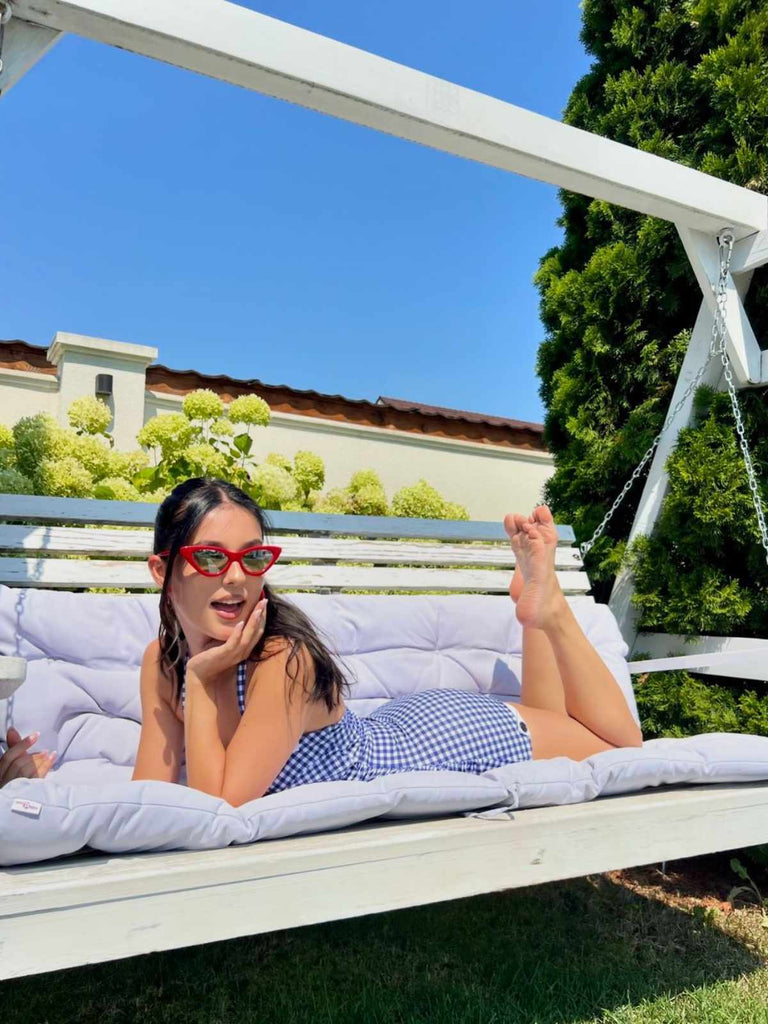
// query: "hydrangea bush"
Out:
[39,456]
[89,415]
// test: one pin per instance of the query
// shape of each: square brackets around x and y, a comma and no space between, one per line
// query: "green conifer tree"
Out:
[687,80]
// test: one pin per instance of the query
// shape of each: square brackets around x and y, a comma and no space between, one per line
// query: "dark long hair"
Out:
[177,519]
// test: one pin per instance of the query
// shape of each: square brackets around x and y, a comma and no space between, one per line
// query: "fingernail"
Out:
[33,737]
[53,754]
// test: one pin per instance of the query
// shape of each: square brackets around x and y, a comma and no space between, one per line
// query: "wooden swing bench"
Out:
[89,907]
[84,909]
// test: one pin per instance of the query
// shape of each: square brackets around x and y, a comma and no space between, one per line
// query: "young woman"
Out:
[239,682]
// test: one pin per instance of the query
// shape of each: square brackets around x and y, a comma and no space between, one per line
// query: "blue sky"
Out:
[243,235]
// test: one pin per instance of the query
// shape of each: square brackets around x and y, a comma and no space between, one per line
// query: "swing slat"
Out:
[439,554]
[138,544]
[65,573]
[732,657]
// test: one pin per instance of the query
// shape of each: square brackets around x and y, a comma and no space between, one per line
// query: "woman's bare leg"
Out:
[542,686]
[592,695]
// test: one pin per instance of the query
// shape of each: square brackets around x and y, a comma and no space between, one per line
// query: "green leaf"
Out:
[144,477]
[243,443]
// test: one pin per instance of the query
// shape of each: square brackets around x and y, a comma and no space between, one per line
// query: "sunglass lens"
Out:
[257,561]
[210,560]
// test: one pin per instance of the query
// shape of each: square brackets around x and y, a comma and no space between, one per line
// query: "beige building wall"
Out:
[23,393]
[488,479]
[79,360]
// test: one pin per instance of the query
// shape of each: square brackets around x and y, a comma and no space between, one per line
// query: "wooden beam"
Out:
[237,45]
[735,657]
[743,349]
[750,253]
[657,482]
[24,44]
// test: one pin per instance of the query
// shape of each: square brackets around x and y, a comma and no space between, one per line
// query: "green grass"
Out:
[583,950]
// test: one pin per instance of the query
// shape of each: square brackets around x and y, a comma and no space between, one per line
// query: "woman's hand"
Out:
[217,658]
[16,763]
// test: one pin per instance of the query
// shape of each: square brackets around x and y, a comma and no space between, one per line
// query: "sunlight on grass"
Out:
[583,951]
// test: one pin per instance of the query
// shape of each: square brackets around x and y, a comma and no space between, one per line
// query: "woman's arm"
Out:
[205,752]
[205,672]
[271,727]
[266,735]
[162,735]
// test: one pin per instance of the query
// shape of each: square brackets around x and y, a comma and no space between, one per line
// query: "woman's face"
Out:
[209,607]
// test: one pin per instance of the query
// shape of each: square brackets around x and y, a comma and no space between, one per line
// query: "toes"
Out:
[510,523]
[513,523]
[543,515]
[531,531]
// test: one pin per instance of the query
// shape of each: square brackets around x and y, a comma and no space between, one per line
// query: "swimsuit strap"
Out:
[240,686]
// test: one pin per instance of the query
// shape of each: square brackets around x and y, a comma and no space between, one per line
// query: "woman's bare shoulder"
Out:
[278,650]
[284,646]
[275,645]
[153,673]
[152,649]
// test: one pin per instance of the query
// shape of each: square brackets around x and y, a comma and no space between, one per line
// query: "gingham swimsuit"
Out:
[429,730]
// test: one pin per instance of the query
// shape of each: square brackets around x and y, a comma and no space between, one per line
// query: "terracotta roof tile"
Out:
[459,414]
[426,418]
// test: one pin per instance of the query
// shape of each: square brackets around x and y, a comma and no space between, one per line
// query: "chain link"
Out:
[5,17]
[717,346]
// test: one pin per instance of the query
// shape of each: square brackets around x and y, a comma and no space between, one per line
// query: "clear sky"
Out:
[240,234]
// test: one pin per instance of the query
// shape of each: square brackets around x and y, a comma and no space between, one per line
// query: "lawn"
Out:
[628,947]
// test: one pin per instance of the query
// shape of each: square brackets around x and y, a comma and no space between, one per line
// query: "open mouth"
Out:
[228,610]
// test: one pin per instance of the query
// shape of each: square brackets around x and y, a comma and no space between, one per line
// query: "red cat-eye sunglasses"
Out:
[211,560]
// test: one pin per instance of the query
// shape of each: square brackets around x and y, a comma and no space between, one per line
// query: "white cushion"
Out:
[82,694]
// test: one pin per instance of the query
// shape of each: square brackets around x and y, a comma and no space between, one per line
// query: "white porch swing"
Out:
[87,909]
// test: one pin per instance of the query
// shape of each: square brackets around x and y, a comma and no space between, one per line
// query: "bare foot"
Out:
[542,517]
[541,594]
[513,524]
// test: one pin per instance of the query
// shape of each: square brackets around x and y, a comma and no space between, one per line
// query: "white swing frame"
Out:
[87,909]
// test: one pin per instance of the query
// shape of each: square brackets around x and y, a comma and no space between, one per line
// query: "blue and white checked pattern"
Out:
[430,730]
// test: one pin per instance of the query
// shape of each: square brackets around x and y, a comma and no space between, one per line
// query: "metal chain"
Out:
[5,17]
[717,346]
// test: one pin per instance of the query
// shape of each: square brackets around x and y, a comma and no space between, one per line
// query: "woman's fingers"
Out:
[16,762]
[18,748]
[217,657]
[255,622]
[30,766]
[43,762]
